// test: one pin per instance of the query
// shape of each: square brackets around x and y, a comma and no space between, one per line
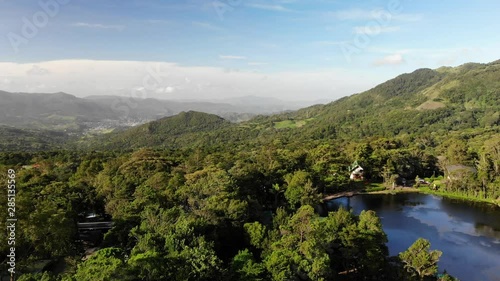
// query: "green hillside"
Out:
[440,102]
[194,193]
[178,130]
[59,111]
[14,139]
[447,100]
[425,101]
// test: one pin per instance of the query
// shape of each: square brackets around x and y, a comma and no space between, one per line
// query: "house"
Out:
[356,171]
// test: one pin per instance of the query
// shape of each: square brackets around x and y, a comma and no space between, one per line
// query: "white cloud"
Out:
[354,14]
[375,30]
[169,89]
[98,25]
[408,17]
[380,13]
[437,57]
[257,63]
[394,59]
[277,8]
[168,80]
[231,57]
[206,25]
[166,90]
[37,70]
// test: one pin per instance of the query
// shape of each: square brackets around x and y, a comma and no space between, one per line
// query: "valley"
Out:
[242,200]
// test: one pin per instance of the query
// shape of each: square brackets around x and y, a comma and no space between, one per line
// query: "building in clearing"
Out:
[356,171]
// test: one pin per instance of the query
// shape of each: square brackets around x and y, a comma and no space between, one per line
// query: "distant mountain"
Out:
[13,139]
[435,102]
[152,109]
[57,111]
[425,101]
[264,105]
[64,112]
[233,109]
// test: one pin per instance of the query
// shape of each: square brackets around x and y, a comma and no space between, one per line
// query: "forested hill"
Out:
[239,201]
[441,100]
[14,139]
[178,130]
[424,102]
[67,113]
[58,111]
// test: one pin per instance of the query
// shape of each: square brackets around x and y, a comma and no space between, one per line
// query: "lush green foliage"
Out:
[15,139]
[194,197]
[164,132]
[419,260]
[196,215]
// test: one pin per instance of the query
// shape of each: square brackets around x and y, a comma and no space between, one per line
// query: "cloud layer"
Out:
[172,81]
[394,59]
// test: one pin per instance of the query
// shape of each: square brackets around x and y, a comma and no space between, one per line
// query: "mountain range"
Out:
[425,102]
[65,112]
[430,102]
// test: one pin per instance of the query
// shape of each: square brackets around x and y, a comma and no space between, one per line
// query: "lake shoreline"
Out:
[398,190]
[461,197]
[464,231]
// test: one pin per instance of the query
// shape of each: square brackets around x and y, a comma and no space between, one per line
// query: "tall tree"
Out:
[419,260]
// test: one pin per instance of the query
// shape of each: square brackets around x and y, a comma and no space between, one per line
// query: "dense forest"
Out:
[197,215]
[195,197]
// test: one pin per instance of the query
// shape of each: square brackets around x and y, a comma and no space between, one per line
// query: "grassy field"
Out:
[374,187]
[455,195]
[383,190]
[379,188]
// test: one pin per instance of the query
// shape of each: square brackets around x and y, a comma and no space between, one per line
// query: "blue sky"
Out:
[334,48]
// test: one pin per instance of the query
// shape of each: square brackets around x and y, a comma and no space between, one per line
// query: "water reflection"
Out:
[467,233]
[488,230]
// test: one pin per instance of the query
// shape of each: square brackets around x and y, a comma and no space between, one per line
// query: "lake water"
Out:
[467,233]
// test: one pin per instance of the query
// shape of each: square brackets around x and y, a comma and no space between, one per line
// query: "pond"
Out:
[468,233]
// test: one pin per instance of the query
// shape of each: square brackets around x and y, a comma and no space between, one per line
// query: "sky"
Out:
[208,49]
